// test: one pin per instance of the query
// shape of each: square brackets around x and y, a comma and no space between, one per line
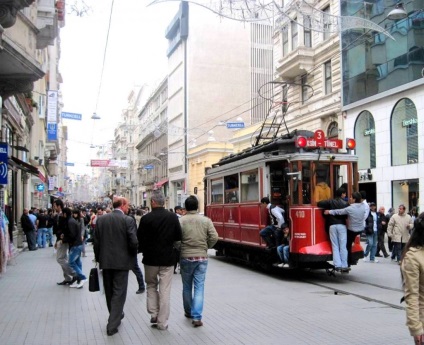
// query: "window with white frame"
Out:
[327,78]
[307,35]
[285,39]
[294,34]
[326,20]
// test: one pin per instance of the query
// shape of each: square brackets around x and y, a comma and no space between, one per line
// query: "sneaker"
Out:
[75,284]
[375,261]
[281,265]
[81,283]
[386,256]
[365,260]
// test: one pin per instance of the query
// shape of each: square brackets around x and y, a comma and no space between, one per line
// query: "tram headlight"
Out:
[350,144]
[300,142]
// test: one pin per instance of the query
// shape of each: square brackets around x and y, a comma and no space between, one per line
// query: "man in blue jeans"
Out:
[198,235]
[75,249]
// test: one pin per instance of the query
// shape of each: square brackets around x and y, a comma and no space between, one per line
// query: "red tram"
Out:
[287,170]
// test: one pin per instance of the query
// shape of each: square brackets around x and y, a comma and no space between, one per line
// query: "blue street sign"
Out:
[231,125]
[68,164]
[148,167]
[40,187]
[72,116]
[3,163]
[51,131]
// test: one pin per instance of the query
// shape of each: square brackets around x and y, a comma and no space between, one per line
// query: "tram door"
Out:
[279,184]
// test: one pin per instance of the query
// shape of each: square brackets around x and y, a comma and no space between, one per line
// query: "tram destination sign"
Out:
[327,143]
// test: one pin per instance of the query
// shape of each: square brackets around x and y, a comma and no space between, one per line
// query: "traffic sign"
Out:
[148,167]
[71,116]
[232,125]
[68,164]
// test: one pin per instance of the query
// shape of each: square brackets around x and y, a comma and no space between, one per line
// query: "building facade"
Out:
[383,89]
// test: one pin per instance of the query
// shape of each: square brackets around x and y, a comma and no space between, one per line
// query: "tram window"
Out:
[339,177]
[322,177]
[217,192]
[231,184]
[306,183]
[249,186]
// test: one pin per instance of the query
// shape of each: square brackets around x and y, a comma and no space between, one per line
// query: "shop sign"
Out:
[369,131]
[406,123]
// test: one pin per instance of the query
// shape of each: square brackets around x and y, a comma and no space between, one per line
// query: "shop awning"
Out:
[161,183]
[24,166]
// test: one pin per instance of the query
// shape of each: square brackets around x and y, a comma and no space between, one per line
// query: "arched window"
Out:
[333,130]
[404,127]
[365,140]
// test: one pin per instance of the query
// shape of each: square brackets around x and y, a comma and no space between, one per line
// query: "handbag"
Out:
[93,280]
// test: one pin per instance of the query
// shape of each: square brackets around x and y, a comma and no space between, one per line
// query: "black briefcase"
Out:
[93,280]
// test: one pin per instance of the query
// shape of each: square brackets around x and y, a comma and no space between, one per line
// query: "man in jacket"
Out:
[74,240]
[28,229]
[115,249]
[338,231]
[60,229]
[198,235]
[156,234]
[355,216]
[383,221]
[398,230]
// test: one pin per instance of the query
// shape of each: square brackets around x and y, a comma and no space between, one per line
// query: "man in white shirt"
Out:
[272,234]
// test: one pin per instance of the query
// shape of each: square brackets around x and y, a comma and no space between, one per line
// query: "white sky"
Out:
[136,54]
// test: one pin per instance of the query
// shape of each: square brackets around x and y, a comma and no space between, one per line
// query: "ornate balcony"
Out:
[297,63]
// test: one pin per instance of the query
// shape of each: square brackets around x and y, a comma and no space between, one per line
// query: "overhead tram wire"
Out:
[103,69]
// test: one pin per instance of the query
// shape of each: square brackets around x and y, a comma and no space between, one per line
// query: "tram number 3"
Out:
[300,214]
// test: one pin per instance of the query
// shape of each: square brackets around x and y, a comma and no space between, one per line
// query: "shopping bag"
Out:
[93,280]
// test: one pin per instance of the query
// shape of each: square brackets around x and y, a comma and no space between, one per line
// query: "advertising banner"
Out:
[51,131]
[3,162]
[52,106]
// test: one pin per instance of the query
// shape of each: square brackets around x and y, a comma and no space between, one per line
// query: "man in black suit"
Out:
[115,248]
[29,230]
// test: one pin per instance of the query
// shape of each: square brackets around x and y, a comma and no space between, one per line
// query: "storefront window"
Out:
[406,192]
[404,133]
[249,186]
[365,140]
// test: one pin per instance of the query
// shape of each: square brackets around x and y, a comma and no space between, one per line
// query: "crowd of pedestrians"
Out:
[118,233]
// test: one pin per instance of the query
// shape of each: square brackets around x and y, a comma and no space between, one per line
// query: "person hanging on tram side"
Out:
[283,250]
[355,216]
[272,234]
[338,230]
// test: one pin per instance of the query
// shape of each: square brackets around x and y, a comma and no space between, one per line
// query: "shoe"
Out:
[187,315]
[345,270]
[197,323]
[375,261]
[281,265]
[338,269]
[386,256]
[365,260]
[378,256]
[33,249]
[154,319]
[111,332]
[141,290]
[75,284]
[161,328]
[122,315]
[50,245]
[81,283]
[65,282]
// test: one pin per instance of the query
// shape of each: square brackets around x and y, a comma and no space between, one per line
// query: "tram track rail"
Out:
[344,291]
